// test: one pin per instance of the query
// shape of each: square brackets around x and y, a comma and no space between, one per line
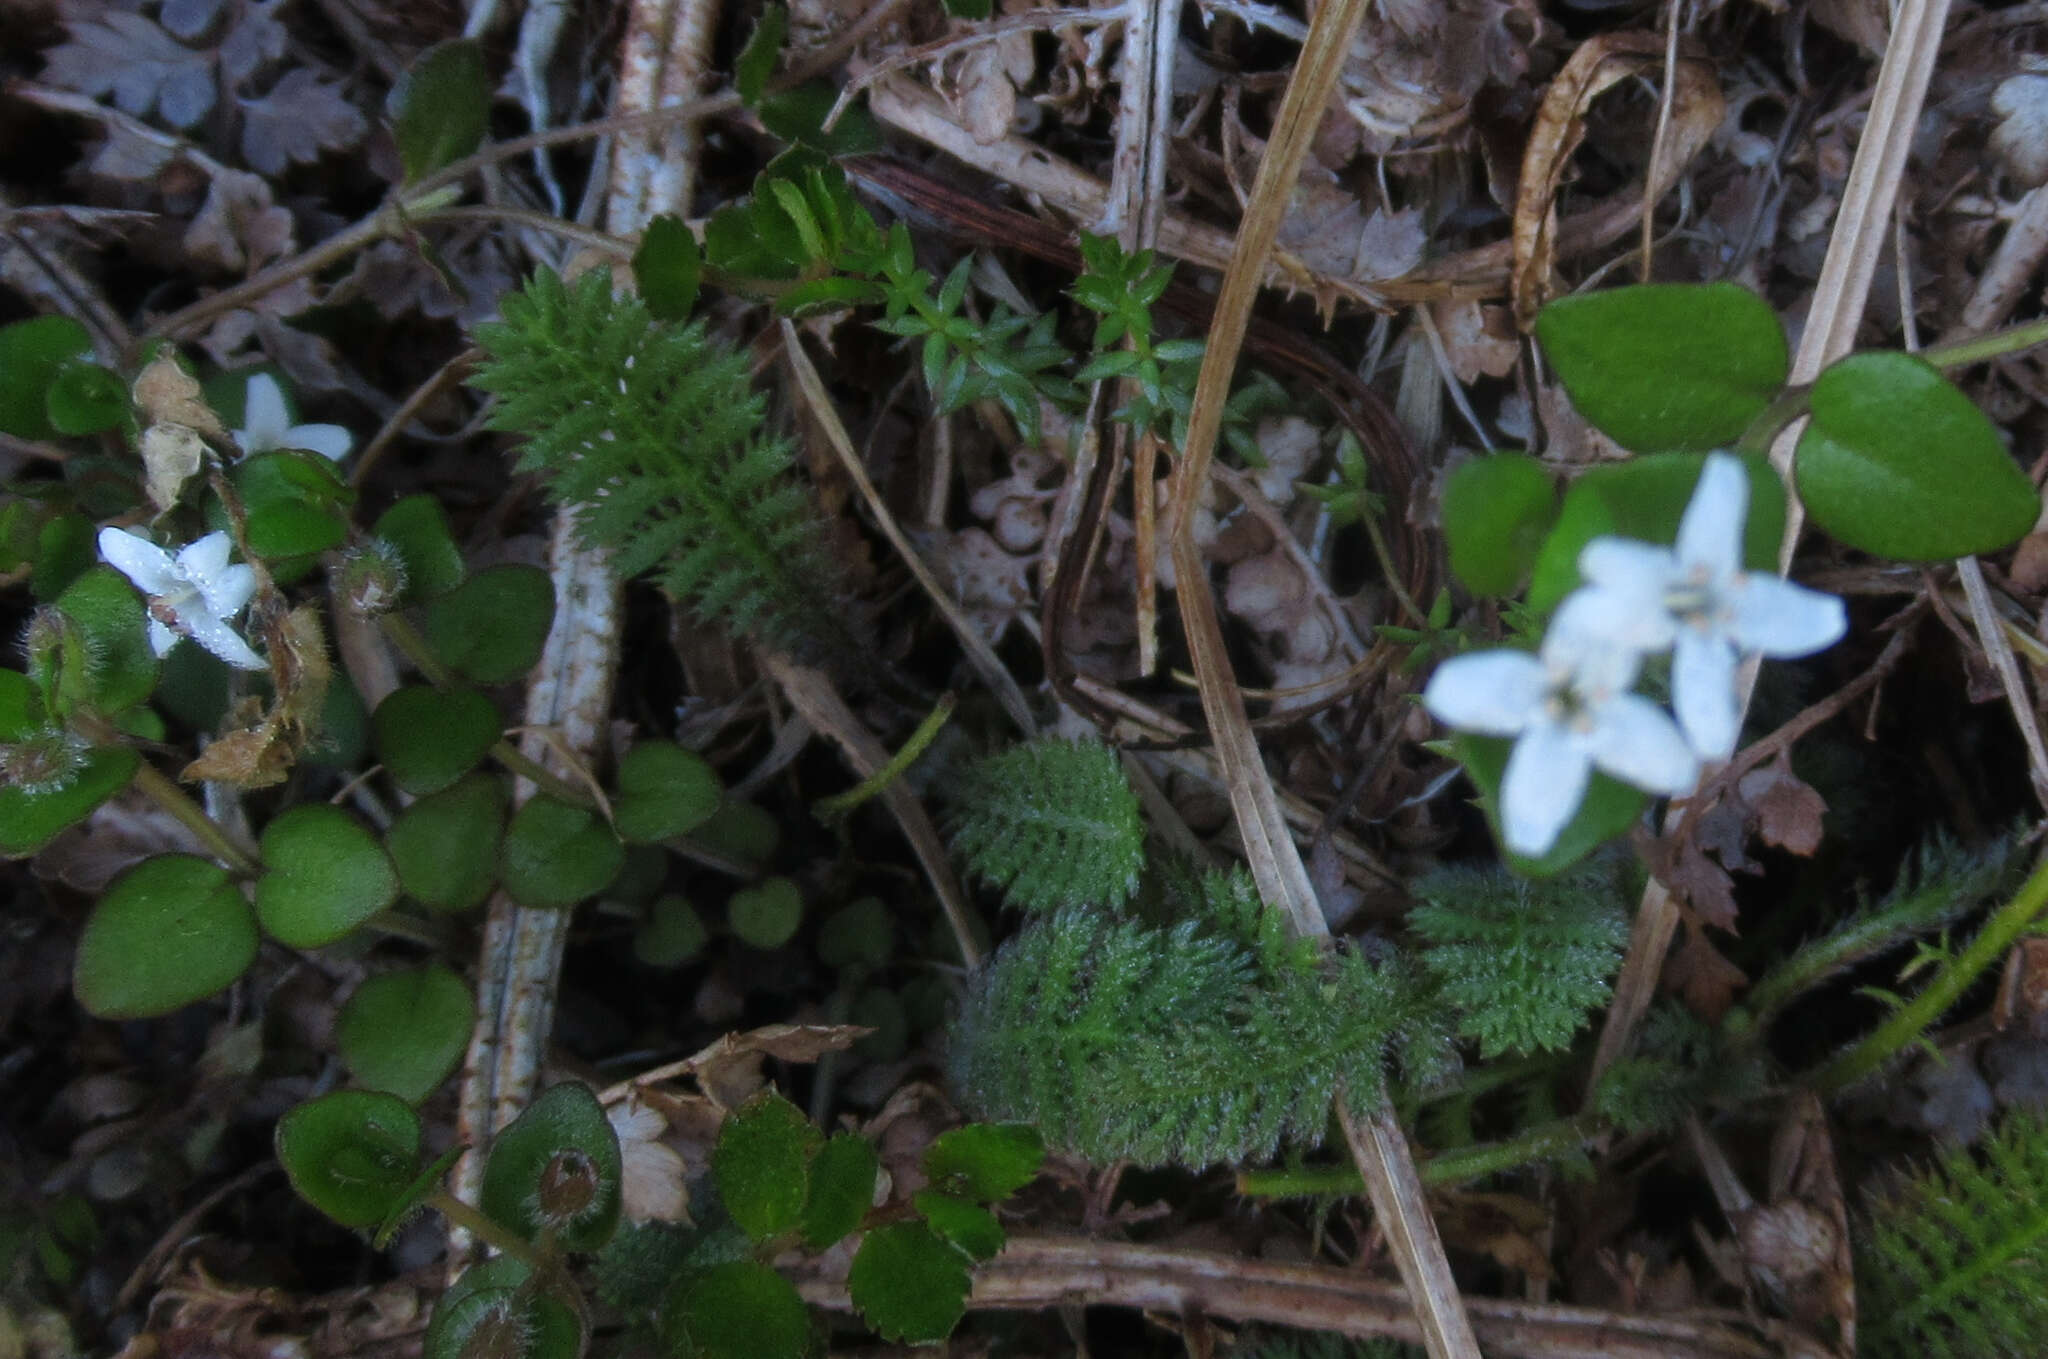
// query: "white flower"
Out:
[1569,710]
[193,594]
[1695,598]
[264,429]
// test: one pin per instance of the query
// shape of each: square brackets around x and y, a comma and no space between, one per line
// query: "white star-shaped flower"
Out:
[264,428]
[192,594]
[1569,709]
[1695,598]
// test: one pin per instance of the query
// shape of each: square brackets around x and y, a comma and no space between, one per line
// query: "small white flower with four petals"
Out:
[1695,598]
[265,427]
[192,594]
[1570,711]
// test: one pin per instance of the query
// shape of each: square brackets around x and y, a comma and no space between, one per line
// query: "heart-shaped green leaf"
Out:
[1662,367]
[404,1032]
[440,108]
[446,845]
[493,625]
[664,790]
[169,931]
[417,527]
[78,778]
[352,1154]
[910,1285]
[672,934]
[1496,512]
[489,1314]
[767,914]
[557,1168]
[1899,463]
[32,353]
[323,876]
[762,1164]
[860,934]
[1610,807]
[297,503]
[85,398]
[428,738]
[556,854]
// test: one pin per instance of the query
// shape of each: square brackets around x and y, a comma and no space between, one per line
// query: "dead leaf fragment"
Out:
[303,115]
[1788,811]
[263,749]
[239,229]
[128,56]
[2021,139]
[168,395]
[170,455]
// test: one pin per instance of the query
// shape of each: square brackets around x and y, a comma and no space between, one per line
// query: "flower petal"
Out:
[1637,742]
[1703,692]
[1495,693]
[222,640]
[143,562]
[205,558]
[1541,788]
[161,638]
[329,441]
[1781,619]
[1625,564]
[1710,533]
[1629,615]
[263,415]
[227,590]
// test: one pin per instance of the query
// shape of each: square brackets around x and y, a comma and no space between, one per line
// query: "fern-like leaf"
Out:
[653,433]
[1051,824]
[1955,1262]
[1522,960]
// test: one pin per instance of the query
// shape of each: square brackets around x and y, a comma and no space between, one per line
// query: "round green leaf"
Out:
[556,854]
[32,353]
[122,666]
[666,267]
[766,915]
[1667,366]
[352,1154]
[32,814]
[493,625]
[297,503]
[737,1310]
[323,876]
[1608,810]
[403,1032]
[911,1286]
[968,1227]
[446,845]
[485,1315]
[557,1167]
[860,934]
[1898,462]
[664,790]
[1644,498]
[761,1164]
[1496,511]
[987,1162]
[85,398]
[428,738]
[741,830]
[672,934]
[842,1188]
[169,931]
[417,527]
[65,550]
[440,108]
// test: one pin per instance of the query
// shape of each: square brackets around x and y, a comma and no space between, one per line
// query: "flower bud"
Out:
[44,763]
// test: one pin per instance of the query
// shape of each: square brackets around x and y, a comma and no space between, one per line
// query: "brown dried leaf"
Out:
[729,1070]
[303,115]
[168,395]
[170,455]
[1702,884]
[1788,811]
[262,752]
[126,55]
[239,228]
[1478,340]
[1705,980]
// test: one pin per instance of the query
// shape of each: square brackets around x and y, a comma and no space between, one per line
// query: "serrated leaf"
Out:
[121,666]
[1899,463]
[491,1313]
[909,1285]
[762,1164]
[756,61]
[440,108]
[1667,367]
[987,1162]
[967,1227]
[352,1154]
[843,1177]
[404,1032]
[666,268]
[171,930]
[557,1167]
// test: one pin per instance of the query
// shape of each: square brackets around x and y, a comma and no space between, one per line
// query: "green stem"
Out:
[1451,1167]
[488,1231]
[1911,1020]
[1789,405]
[831,809]
[156,786]
[1996,345]
[407,639]
[432,933]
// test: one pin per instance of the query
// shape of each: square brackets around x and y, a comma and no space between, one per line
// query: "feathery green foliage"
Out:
[1955,1262]
[1681,1063]
[1522,960]
[1319,1345]
[1050,823]
[652,431]
[1184,1044]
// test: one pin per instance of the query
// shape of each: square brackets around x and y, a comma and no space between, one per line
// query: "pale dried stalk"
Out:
[1036,1272]
[1376,1143]
[1837,309]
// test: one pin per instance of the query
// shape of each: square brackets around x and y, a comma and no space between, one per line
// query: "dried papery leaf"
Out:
[170,455]
[303,115]
[128,56]
[239,228]
[262,753]
[729,1070]
[166,394]
[1478,340]
[1788,811]
[2021,137]
[1706,980]
[987,82]
[1599,64]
